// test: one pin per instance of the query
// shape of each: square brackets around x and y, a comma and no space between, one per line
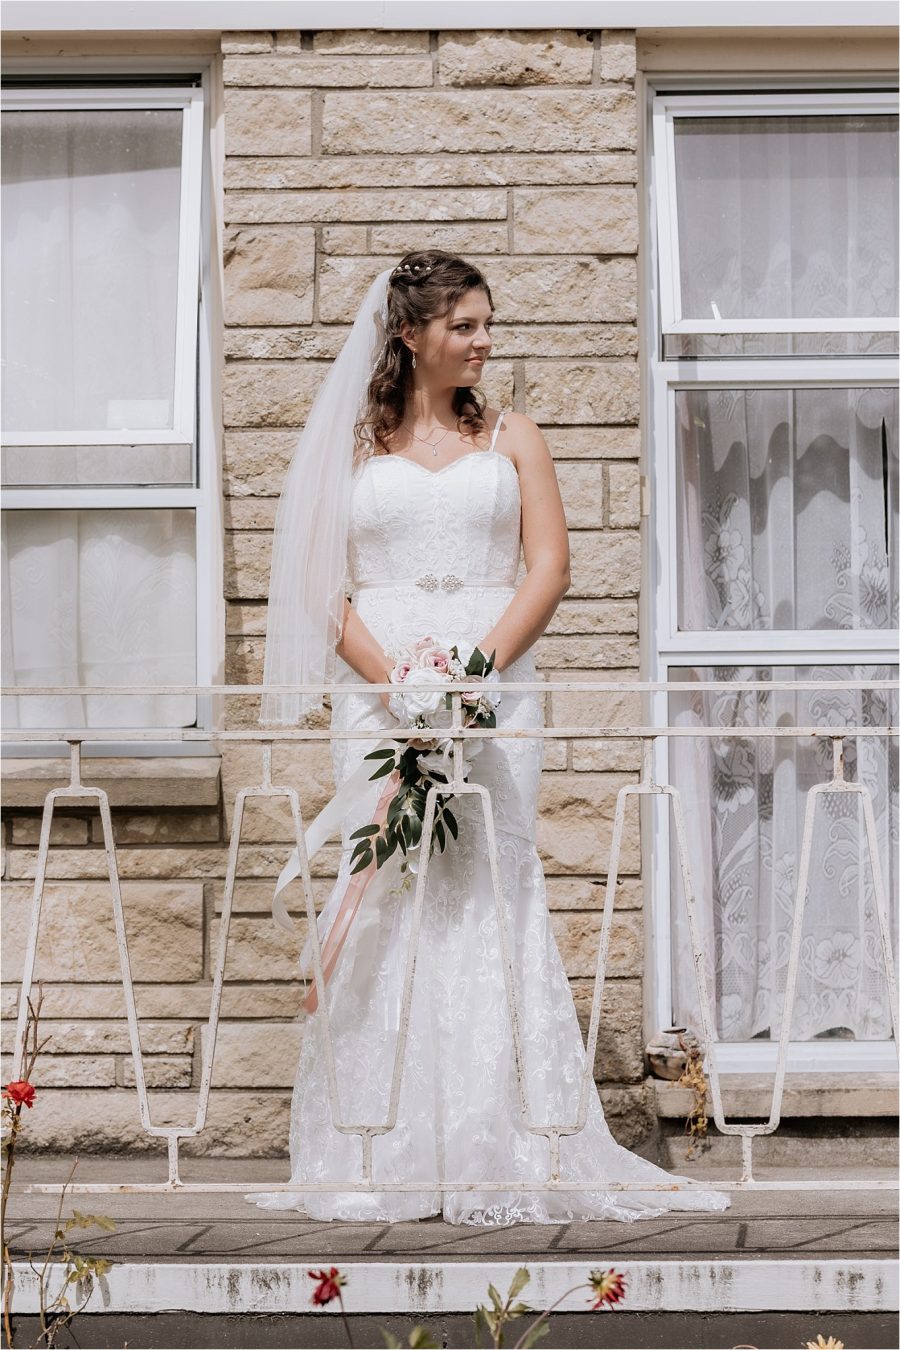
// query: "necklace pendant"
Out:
[434,451]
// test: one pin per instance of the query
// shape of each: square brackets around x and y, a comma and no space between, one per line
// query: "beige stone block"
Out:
[250,513]
[581,486]
[605,563]
[597,340]
[617,54]
[89,864]
[578,937]
[344,239]
[288,40]
[270,393]
[369,42]
[256,1055]
[77,938]
[266,121]
[575,220]
[456,238]
[103,1037]
[556,756]
[238,43]
[283,344]
[106,1121]
[534,56]
[331,71]
[620,1051]
[255,897]
[586,617]
[341,208]
[433,170]
[66,830]
[244,660]
[473,120]
[160,780]
[585,391]
[630,1113]
[55,1071]
[592,653]
[606,756]
[257,461]
[162,1000]
[613,708]
[623,442]
[161,1071]
[161,827]
[586,893]
[269,274]
[303,765]
[259,950]
[249,619]
[523,289]
[575,820]
[624,496]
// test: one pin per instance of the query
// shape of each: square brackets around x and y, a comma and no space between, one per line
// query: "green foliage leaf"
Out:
[440,835]
[390,1340]
[494,1295]
[476,662]
[450,822]
[364,830]
[519,1281]
[387,753]
[382,771]
[481,1324]
[363,863]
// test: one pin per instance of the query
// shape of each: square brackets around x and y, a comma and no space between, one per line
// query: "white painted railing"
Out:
[76,790]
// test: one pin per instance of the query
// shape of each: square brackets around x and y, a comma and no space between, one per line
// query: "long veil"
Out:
[309,551]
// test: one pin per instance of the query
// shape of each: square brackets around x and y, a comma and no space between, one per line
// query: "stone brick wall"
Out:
[343,151]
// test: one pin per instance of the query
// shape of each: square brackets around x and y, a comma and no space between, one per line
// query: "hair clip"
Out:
[415,271]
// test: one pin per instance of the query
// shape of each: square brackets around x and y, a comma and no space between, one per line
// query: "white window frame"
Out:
[193,411]
[666,647]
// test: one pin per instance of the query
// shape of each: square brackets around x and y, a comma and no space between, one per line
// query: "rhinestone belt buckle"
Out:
[448,582]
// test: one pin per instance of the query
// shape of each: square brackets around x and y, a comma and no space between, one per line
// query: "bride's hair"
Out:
[424,285]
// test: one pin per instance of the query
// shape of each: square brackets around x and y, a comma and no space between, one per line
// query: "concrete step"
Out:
[775,1269]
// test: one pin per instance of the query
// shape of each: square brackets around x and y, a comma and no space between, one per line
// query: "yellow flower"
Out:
[820,1344]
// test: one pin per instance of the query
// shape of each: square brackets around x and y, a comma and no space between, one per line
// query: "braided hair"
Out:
[424,285]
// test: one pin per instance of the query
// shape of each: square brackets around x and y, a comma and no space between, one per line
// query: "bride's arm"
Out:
[545,543]
[360,649]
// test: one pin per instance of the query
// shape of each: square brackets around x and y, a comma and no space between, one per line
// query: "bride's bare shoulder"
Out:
[520,438]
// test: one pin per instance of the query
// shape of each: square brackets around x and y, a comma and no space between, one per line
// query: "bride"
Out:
[403,517]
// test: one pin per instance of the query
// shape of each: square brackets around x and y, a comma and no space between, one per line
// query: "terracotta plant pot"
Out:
[666,1053]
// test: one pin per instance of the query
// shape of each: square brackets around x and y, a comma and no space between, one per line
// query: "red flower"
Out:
[609,1287]
[20,1094]
[329,1285]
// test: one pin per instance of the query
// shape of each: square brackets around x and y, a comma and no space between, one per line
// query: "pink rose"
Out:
[400,671]
[436,657]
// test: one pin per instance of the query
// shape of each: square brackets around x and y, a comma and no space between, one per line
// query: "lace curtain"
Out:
[787,517]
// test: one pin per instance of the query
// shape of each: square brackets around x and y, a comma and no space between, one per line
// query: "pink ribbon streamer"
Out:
[356,888]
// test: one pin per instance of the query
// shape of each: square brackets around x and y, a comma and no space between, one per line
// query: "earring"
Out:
[414,361]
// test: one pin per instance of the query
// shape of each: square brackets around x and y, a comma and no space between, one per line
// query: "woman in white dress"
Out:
[442,495]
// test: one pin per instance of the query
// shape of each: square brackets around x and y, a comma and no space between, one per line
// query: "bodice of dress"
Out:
[461,521]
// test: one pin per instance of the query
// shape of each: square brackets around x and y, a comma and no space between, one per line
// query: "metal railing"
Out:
[647,786]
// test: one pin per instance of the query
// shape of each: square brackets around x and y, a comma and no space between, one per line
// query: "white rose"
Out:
[423,696]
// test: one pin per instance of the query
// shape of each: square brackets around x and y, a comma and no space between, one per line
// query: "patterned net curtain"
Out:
[787,515]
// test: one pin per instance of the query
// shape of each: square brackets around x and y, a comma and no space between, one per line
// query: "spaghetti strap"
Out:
[496,429]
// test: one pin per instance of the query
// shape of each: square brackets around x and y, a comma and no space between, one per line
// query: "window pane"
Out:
[745,800]
[787,216]
[90,227]
[787,508]
[685,346]
[99,598]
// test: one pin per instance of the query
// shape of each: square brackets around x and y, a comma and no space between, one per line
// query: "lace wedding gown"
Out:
[459,1115]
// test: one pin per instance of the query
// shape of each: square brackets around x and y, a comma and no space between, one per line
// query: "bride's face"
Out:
[451,350]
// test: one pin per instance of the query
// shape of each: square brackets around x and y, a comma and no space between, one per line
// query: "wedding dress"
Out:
[459,1114]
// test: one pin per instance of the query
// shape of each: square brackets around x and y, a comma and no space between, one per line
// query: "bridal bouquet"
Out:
[424,674]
